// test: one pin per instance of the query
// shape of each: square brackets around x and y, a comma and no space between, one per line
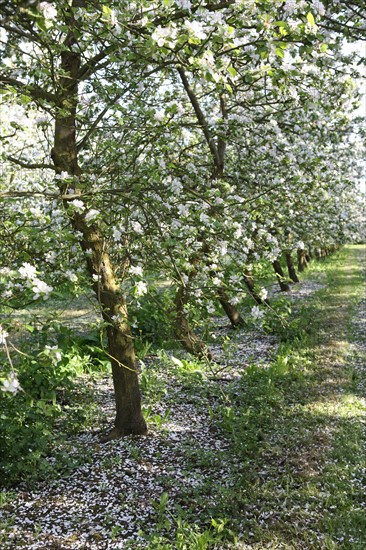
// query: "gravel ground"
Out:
[114,495]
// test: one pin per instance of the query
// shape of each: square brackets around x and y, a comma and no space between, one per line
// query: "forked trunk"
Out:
[284,286]
[291,268]
[189,340]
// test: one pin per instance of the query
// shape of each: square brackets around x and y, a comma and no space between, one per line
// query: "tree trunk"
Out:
[129,419]
[249,281]
[230,310]
[291,268]
[284,286]
[189,340]
[301,260]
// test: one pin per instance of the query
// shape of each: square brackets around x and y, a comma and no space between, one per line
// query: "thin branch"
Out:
[200,115]
[95,123]
[93,63]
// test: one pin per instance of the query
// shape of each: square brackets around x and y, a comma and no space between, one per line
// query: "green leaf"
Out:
[310,19]
[41,24]
[106,12]
[232,71]
[177,362]
[25,99]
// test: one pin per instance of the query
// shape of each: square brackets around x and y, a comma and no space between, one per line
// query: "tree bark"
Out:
[249,281]
[129,419]
[284,286]
[291,268]
[301,260]
[230,310]
[189,340]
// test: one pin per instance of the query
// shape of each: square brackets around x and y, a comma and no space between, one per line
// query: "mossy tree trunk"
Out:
[291,268]
[129,419]
[302,262]
[188,339]
[250,284]
[284,286]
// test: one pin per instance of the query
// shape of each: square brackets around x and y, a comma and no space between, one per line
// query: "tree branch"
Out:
[200,115]
[93,64]
[26,194]
[34,91]
[30,166]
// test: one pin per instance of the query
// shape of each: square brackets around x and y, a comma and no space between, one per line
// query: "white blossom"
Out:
[54,353]
[159,115]
[195,29]
[161,35]
[27,271]
[140,288]
[256,313]
[136,270]
[117,234]
[263,294]
[3,335]
[11,385]
[184,4]
[78,205]
[91,215]
[49,11]
[71,276]
[137,227]
[40,288]
[63,176]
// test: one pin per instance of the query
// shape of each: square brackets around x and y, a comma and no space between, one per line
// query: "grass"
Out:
[298,428]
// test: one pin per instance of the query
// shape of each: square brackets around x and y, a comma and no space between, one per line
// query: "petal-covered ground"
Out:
[122,493]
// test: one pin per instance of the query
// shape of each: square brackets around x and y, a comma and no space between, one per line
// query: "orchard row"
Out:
[174,145]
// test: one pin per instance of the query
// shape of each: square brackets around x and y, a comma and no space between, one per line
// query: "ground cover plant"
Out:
[264,448]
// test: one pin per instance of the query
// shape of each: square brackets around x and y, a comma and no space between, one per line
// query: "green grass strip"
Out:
[298,428]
